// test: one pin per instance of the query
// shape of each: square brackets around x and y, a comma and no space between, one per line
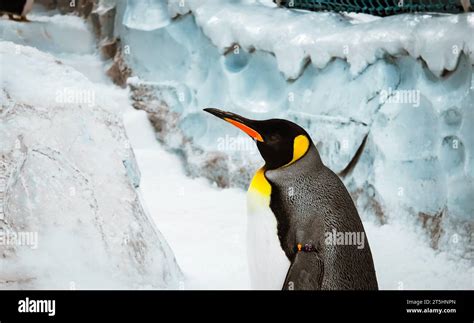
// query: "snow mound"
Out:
[67,178]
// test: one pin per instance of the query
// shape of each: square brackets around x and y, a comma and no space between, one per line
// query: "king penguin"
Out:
[295,203]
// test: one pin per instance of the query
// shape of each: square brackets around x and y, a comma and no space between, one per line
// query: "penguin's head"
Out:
[280,142]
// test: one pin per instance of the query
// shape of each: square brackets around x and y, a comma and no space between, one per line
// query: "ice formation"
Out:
[388,101]
[70,214]
[146,14]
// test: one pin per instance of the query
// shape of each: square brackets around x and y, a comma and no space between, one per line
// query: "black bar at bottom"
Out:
[157,306]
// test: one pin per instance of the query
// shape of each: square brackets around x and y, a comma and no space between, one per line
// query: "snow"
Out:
[204,225]
[68,172]
[403,260]
[51,34]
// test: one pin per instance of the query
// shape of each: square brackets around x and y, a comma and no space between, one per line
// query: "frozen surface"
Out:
[295,36]
[204,225]
[67,170]
[403,260]
[146,14]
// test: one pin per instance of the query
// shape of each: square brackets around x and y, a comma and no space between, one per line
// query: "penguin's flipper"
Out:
[305,273]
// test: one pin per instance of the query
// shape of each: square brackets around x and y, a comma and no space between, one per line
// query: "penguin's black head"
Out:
[280,142]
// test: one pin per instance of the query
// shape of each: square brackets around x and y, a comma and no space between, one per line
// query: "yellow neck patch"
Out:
[258,195]
[260,184]
[300,147]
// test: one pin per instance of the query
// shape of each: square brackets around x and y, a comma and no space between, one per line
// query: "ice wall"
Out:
[388,101]
[70,216]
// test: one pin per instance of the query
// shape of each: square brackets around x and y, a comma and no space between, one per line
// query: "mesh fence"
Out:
[378,7]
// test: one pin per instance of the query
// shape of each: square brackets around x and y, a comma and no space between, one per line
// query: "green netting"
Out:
[378,7]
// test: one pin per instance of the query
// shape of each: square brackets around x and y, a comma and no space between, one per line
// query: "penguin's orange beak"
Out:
[240,122]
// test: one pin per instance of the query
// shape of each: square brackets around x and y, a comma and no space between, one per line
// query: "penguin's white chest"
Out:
[268,263]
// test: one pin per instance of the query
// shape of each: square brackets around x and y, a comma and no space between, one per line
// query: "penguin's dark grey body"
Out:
[294,201]
[309,200]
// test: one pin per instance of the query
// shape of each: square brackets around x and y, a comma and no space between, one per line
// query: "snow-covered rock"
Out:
[70,216]
[388,101]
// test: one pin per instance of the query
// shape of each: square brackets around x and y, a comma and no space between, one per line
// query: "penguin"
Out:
[16,8]
[296,208]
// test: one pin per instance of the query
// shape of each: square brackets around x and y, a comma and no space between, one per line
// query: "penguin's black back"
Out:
[12,6]
[308,200]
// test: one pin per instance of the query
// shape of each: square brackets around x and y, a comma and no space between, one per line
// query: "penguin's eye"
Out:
[274,138]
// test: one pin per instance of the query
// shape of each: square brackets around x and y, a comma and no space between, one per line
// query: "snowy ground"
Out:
[205,225]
